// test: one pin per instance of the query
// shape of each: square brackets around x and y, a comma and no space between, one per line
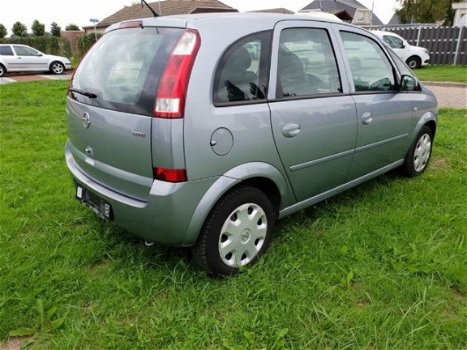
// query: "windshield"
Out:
[123,68]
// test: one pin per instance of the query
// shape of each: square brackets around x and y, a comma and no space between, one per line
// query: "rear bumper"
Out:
[163,218]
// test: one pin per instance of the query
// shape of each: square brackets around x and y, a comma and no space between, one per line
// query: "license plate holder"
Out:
[99,206]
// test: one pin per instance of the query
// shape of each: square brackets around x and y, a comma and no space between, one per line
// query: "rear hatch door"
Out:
[110,107]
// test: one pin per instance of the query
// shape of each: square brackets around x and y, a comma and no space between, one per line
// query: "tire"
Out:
[414,62]
[2,70]
[418,157]
[223,247]
[57,68]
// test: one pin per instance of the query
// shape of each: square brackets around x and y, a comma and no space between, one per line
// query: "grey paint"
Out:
[329,143]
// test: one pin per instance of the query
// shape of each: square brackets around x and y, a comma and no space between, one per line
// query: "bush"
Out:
[48,45]
[85,42]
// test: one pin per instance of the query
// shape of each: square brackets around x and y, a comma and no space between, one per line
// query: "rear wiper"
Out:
[84,93]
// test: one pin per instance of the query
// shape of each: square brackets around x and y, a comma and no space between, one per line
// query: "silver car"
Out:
[22,58]
[203,130]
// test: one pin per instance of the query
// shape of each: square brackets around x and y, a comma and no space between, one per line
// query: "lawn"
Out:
[379,266]
[453,74]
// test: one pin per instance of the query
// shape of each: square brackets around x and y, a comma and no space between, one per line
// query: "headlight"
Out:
[426,51]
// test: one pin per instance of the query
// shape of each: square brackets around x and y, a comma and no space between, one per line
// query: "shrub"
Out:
[85,42]
[3,31]
[19,29]
[38,29]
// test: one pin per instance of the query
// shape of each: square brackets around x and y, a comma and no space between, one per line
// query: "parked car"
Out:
[188,140]
[22,58]
[414,56]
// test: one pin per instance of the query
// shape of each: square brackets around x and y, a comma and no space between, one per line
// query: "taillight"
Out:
[170,175]
[171,92]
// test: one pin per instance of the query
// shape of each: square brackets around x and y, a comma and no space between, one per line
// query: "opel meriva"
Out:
[202,130]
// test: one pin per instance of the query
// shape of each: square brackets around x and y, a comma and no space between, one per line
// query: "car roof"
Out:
[229,19]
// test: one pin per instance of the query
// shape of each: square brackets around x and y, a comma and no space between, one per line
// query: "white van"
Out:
[414,56]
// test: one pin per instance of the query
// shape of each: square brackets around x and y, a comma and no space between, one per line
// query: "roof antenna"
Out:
[143,2]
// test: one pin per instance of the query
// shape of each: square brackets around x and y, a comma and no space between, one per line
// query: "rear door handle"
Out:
[291,130]
[367,118]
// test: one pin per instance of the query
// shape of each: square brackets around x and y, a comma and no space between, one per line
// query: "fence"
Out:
[447,45]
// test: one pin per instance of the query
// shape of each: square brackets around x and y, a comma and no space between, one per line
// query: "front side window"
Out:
[242,74]
[6,51]
[307,64]
[393,41]
[25,51]
[370,68]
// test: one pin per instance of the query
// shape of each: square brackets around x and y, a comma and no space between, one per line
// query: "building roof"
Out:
[167,8]
[337,6]
[394,20]
[276,10]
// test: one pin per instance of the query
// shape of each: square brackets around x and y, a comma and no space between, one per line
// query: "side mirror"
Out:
[39,54]
[409,83]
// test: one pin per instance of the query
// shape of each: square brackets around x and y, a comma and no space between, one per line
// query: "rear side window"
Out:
[370,68]
[307,64]
[242,73]
[123,69]
[6,51]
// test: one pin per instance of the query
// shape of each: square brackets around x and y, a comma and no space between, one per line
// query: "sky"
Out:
[80,11]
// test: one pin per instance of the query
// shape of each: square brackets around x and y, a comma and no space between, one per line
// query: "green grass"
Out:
[379,266]
[453,74]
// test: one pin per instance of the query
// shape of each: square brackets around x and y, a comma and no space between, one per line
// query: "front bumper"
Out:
[163,218]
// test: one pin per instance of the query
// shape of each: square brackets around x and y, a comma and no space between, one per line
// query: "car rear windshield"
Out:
[122,70]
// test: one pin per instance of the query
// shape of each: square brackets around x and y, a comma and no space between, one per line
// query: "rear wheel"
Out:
[236,233]
[2,70]
[57,68]
[418,157]
[414,62]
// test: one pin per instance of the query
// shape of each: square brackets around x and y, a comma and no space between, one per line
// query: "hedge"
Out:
[47,45]
[85,42]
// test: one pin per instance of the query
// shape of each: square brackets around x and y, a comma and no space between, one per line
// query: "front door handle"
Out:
[367,118]
[291,130]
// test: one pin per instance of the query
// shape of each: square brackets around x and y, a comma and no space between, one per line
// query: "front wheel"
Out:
[236,233]
[416,160]
[414,62]
[57,68]
[2,70]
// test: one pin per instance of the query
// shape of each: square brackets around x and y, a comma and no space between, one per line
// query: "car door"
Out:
[384,112]
[313,117]
[8,57]
[29,59]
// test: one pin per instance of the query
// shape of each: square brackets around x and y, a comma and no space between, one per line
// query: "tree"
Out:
[38,29]
[72,27]
[55,29]
[425,11]
[19,29]
[3,31]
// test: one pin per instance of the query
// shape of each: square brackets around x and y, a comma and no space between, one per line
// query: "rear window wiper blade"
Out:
[82,92]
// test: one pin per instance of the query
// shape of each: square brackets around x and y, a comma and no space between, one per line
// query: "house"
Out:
[347,10]
[162,8]
[460,16]
[276,10]
[395,20]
